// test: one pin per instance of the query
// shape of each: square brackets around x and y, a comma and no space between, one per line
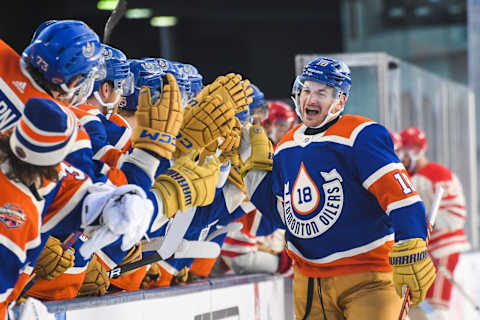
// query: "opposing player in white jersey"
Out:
[344,198]
[448,237]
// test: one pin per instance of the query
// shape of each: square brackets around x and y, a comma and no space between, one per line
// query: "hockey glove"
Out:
[187,184]
[235,176]
[261,151]
[412,267]
[96,280]
[158,124]
[231,141]
[182,277]
[231,89]
[153,274]
[204,121]
[53,260]
[133,255]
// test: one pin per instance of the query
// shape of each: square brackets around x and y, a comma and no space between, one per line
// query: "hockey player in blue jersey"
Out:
[346,202]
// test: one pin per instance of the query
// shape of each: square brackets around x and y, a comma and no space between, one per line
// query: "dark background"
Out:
[258,39]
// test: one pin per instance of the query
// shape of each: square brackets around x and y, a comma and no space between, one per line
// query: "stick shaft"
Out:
[407,300]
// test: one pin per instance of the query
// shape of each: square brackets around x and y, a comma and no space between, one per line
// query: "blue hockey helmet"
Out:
[41,27]
[64,50]
[258,108]
[116,69]
[196,79]
[183,81]
[145,73]
[333,73]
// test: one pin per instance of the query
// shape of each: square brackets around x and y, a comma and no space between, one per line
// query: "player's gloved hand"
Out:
[412,267]
[133,255]
[231,88]
[235,176]
[259,156]
[53,260]
[232,140]
[158,124]
[153,274]
[187,184]
[182,277]
[96,280]
[204,121]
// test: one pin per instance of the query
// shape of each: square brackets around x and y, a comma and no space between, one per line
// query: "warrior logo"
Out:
[88,50]
[304,199]
[12,216]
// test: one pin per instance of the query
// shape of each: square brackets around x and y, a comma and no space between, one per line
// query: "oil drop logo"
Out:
[305,195]
[304,198]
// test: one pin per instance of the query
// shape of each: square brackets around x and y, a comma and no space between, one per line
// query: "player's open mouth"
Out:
[311,112]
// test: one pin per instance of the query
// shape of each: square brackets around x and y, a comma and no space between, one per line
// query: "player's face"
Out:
[315,100]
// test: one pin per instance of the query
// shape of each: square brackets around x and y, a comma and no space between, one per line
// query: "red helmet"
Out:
[397,140]
[414,137]
[278,110]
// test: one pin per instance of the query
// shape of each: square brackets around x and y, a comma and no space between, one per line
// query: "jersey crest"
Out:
[12,216]
[304,198]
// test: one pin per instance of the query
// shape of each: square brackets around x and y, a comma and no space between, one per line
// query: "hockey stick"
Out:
[67,244]
[407,300]
[112,21]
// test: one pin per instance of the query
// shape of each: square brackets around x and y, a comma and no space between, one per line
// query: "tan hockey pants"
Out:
[361,296]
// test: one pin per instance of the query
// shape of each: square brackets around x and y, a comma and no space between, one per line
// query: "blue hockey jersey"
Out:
[342,195]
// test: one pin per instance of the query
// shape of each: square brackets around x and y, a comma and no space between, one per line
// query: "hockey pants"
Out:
[360,296]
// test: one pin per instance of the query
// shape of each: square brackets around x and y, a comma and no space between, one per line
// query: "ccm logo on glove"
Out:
[184,141]
[162,137]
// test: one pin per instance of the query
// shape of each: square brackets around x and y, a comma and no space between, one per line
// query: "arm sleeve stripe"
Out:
[380,173]
[402,203]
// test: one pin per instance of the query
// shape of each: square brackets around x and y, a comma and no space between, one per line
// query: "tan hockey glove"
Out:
[53,260]
[412,267]
[231,89]
[232,139]
[229,144]
[235,176]
[187,184]
[158,124]
[153,274]
[261,156]
[204,121]
[96,280]
[133,255]
[182,277]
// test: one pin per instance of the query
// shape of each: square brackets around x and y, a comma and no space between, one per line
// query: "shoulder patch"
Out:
[12,216]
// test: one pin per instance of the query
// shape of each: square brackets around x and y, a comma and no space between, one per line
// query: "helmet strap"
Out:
[110,106]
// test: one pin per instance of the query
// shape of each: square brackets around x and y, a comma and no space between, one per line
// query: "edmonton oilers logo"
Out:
[88,50]
[107,53]
[163,64]
[303,200]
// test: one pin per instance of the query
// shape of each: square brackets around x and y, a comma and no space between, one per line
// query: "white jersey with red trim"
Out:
[448,235]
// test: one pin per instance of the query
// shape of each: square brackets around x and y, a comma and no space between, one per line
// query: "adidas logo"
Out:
[20,85]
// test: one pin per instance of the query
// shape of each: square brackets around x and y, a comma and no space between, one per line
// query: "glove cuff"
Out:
[175,188]
[159,142]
